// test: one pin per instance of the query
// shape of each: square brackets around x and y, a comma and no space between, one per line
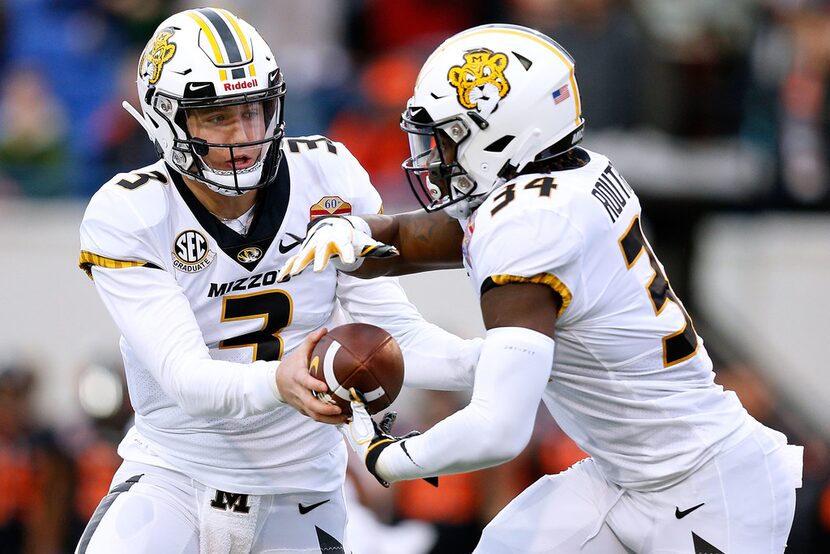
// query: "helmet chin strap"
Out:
[224,191]
[528,145]
[244,180]
[461,210]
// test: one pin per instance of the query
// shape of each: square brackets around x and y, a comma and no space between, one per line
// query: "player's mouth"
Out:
[239,162]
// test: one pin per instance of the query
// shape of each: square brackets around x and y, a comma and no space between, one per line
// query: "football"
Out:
[362,356]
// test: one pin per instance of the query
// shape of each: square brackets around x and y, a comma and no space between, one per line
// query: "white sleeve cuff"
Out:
[265,393]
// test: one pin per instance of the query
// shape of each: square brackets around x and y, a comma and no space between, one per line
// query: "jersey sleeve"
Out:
[116,234]
[155,318]
[527,246]
[433,358]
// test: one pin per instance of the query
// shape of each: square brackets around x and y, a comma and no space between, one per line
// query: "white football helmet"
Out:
[211,95]
[487,102]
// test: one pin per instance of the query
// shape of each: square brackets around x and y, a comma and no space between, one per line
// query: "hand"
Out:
[368,439]
[297,386]
[345,241]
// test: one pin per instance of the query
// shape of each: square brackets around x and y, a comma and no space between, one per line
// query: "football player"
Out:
[579,315]
[229,452]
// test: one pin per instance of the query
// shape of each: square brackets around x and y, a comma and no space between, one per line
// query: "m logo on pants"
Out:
[230,501]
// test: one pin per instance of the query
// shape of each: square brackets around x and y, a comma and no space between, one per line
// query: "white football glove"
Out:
[368,439]
[342,240]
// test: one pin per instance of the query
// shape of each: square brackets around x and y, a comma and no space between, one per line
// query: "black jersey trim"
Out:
[269,214]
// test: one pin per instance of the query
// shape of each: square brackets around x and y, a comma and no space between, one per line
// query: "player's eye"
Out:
[213,118]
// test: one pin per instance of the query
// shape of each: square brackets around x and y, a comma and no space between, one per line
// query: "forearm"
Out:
[425,242]
[496,426]
[438,360]
[216,388]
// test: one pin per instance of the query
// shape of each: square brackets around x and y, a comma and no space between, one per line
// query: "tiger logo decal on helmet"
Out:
[480,83]
[159,52]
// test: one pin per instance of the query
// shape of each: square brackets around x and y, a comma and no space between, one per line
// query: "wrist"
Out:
[275,389]
[373,455]
[359,224]
[386,459]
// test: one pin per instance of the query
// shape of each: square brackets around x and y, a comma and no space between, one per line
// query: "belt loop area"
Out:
[601,520]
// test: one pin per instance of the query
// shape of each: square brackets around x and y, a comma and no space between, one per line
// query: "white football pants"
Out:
[151,510]
[741,501]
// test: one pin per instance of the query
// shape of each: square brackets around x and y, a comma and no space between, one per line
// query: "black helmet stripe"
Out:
[226,36]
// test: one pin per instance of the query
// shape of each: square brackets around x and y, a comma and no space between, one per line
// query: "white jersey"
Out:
[631,382]
[186,289]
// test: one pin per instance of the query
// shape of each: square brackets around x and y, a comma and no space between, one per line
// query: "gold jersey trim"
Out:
[542,279]
[88,259]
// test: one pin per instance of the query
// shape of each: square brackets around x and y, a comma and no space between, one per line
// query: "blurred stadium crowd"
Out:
[706,105]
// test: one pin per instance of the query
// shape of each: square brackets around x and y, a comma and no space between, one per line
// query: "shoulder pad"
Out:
[125,196]
[136,179]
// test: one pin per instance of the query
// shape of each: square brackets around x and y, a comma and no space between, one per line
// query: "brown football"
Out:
[362,356]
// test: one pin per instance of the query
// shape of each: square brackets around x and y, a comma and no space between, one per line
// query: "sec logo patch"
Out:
[191,252]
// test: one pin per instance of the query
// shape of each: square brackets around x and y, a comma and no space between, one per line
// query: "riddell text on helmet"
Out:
[240,85]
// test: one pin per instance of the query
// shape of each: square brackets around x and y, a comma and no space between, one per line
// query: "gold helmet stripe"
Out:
[240,35]
[217,52]
[232,49]
[242,38]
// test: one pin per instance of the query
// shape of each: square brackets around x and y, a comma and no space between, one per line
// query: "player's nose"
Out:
[239,131]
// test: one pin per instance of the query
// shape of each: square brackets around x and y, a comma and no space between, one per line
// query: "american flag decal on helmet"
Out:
[561,94]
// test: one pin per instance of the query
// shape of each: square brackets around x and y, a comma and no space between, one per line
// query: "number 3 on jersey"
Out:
[274,306]
[678,346]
